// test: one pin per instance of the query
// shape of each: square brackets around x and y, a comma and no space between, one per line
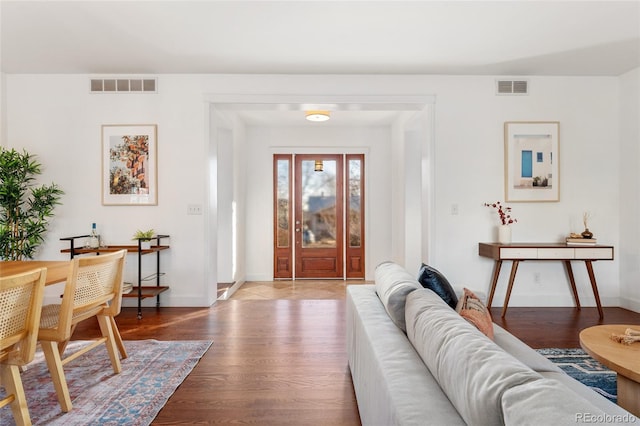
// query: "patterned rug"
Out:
[149,376]
[577,364]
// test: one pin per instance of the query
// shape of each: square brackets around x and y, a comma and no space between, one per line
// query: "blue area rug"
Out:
[577,364]
[150,375]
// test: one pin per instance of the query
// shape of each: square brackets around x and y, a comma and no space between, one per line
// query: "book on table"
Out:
[582,241]
[127,287]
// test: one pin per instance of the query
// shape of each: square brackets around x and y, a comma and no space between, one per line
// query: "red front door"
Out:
[318,218]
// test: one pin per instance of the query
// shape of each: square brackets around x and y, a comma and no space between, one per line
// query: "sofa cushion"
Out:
[471,308]
[471,369]
[429,277]
[530,403]
[393,284]
[593,397]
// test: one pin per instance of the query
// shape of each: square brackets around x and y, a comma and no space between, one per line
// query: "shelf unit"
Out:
[140,291]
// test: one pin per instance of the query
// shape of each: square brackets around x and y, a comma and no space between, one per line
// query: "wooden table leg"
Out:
[572,282]
[594,286]
[512,278]
[628,394]
[494,281]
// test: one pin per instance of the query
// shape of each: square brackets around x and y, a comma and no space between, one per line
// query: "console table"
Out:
[519,252]
[140,291]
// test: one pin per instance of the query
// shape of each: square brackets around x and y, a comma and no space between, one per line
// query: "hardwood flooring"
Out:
[295,290]
[557,327]
[279,355]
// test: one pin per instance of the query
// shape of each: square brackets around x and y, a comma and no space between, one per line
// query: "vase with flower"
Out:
[504,214]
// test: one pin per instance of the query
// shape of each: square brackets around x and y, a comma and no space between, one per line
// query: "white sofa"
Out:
[443,371]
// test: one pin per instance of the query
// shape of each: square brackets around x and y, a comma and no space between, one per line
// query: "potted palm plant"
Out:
[25,208]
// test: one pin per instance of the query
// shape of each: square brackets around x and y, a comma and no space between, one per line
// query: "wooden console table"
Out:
[518,252]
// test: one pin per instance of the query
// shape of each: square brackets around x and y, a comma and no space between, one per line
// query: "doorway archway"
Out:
[407,110]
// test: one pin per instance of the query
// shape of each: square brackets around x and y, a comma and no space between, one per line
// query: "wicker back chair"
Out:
[21,298]
[93,289]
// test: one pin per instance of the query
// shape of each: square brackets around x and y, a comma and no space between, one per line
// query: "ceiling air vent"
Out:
[512,87]
[124,85]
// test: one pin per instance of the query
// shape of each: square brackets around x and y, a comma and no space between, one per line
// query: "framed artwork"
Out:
[531,157]
[129,165]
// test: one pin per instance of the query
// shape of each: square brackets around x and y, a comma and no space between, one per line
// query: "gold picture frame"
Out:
[129,165]
[532,161]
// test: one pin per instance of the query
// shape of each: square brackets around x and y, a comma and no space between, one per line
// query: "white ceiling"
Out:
[321,37]
[507,38]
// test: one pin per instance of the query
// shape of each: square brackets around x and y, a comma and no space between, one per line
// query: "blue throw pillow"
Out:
[432,279]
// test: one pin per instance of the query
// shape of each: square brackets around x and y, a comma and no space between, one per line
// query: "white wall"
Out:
[58,119]
[410,148]
[240,196]
[55,117]
[469,153]
[225,206]
[3,110]
[628,252]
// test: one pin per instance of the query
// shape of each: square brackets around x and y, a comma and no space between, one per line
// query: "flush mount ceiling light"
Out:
[317,115]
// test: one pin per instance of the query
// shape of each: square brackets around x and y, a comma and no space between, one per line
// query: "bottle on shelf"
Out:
[94,237]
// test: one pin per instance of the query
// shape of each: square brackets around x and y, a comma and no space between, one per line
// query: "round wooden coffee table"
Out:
[621,358]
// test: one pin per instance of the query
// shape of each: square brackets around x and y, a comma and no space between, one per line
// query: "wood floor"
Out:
[279,356]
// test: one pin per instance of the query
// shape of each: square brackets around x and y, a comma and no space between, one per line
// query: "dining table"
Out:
[57,272]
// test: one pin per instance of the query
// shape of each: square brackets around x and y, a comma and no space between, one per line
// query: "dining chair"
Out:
[93,289]
[21,298]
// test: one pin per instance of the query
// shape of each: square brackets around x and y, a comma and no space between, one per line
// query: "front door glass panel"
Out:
[355,216]
[282,193]
[319,204]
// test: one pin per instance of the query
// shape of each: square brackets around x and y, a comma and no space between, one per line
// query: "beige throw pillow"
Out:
[471,308]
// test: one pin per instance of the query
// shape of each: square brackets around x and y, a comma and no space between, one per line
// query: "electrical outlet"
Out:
[536,277]
[454,209]
[194,209]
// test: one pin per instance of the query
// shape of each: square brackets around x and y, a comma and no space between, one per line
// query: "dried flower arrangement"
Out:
[504,212]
